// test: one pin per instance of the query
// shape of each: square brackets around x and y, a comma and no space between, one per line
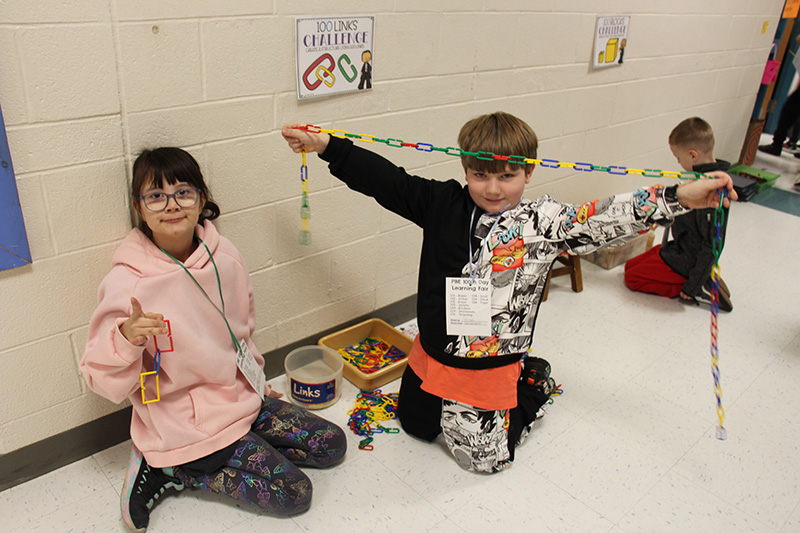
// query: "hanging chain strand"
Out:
[305,209]
[719,217]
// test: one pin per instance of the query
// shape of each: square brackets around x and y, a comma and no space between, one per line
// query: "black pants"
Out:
[790,113]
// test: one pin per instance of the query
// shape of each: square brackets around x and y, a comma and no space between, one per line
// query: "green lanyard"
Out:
[219,286]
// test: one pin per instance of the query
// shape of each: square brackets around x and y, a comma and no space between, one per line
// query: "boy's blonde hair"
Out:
[693,134]
[497,133]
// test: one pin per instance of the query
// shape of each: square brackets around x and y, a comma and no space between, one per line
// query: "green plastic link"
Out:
[598,168]
[454,151]
[690,176]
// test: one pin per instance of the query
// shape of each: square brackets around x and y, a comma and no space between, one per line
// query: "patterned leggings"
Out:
[263,471]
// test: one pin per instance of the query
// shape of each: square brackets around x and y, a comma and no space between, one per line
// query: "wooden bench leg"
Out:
[576,276]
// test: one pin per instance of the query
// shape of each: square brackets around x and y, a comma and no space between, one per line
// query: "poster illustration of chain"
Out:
[334,55]
[610,39]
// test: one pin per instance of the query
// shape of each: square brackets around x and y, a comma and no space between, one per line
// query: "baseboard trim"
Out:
[54,452]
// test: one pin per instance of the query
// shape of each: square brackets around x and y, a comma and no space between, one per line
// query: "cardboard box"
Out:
[376,328]
[613,256]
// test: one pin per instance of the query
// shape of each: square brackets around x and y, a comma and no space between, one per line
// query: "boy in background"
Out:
[682,266]
[486,254]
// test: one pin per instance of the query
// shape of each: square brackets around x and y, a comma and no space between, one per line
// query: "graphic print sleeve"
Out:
[597,224]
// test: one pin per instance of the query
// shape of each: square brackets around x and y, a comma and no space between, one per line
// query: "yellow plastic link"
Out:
[637,171]
[339,133]
[529,161]
[366,138]
[158,392]
[566,165]
[670,174]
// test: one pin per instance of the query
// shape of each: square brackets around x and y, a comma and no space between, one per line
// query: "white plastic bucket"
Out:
[314,376]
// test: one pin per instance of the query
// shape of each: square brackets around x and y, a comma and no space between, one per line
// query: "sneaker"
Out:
[723,299]
[770,149]
[797,183]
[536,372]
[142,487]
[790,145]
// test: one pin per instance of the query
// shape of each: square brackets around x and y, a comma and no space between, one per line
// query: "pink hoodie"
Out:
[206,403]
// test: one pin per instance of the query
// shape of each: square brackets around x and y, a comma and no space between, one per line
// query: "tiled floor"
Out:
[629,447]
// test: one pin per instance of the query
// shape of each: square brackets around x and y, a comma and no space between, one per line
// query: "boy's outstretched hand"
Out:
[704,193]
[304,141]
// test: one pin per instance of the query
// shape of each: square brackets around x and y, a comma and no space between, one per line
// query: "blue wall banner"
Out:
[14,250]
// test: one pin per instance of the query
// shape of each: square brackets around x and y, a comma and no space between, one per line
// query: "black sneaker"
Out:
[536,372]
[770,149]
[723,298]
[142,487]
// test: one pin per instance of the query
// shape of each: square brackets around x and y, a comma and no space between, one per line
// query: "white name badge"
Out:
[249,367]
[468,306]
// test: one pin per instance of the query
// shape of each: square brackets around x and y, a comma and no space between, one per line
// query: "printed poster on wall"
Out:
[334,55]
[610,40]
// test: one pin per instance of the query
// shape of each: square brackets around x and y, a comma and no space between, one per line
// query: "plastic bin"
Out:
[314,376]
[764,178]
[613,256]
[375,328]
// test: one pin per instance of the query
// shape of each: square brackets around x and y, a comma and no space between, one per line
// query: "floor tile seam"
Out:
[683,411]
[724,500]
[557,486]
[66,505]
[642,449]
[794,511]
[406,484]
[105,475]
[645,493]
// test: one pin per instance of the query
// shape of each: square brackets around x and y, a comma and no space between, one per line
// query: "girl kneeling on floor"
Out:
[172,334]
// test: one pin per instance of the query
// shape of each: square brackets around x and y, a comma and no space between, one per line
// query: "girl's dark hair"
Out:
[172,165]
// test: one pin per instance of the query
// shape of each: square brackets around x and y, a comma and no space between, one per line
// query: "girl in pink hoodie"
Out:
[172,334]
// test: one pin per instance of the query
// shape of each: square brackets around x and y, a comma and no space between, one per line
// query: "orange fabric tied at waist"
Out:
[491,388]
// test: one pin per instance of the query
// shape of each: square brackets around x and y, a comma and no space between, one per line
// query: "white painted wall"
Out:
[86,84]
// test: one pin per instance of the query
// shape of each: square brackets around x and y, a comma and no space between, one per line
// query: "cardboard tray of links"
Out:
[376,328]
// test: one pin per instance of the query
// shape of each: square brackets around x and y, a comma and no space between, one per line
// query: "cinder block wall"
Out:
[87,84]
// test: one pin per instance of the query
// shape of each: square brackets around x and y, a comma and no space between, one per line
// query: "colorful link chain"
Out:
[154,372]
[371,408]
[582,167]
[371,355]
[719,217]
[513,159]
[305,210]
